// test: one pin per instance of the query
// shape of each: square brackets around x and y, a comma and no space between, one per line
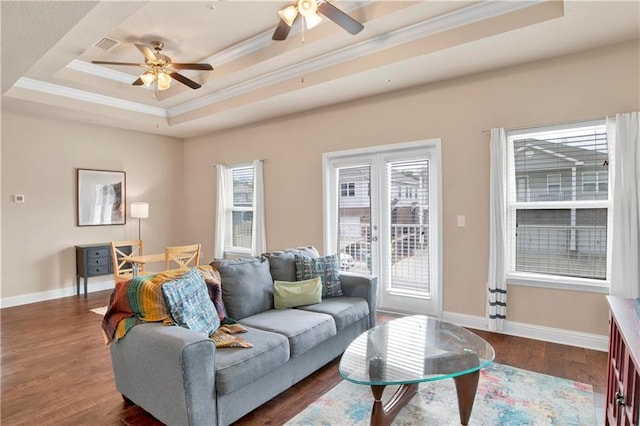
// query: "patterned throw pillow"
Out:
[189,303]
[326,267]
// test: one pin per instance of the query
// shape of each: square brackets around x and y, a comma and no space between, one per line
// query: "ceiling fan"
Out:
[161,69]
[309,10]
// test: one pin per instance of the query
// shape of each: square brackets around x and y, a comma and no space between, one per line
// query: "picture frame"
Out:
[101,197]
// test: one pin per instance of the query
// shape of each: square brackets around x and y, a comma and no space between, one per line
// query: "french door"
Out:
[382,216]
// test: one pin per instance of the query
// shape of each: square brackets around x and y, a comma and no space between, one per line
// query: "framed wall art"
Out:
[101,197]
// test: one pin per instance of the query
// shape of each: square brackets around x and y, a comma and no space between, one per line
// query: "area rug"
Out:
[505,396]
[100,311]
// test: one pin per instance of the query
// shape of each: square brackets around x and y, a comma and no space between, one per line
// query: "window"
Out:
[554,183]
[589,180]
[595,182]
[523,188]
[348,189]
[558,231]
[240,210]
[408,192]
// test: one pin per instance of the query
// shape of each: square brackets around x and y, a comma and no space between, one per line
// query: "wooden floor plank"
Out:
[56,369]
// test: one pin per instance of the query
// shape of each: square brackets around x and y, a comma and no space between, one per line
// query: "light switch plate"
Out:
[18,198]
[461,221]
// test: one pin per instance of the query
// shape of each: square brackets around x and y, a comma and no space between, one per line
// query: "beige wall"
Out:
[577,87]
[39,160]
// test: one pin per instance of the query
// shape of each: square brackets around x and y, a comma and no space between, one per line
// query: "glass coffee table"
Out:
[414,349]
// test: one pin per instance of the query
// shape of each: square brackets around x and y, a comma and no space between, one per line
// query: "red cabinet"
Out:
[623,372]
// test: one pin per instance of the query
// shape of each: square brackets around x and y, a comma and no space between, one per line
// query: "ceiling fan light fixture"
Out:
[148,78]
[164,80]
[289,14]
[307,7]
[312,20]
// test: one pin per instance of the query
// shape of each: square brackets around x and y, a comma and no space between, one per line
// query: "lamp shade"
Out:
[140,210]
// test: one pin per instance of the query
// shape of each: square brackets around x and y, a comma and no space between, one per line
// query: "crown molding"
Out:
[82,95]
[100,71]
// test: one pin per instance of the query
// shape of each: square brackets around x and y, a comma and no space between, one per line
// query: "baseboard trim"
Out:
[25,299]
[531,331]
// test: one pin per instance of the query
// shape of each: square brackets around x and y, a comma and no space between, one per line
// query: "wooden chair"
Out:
[183,256]
[123,270]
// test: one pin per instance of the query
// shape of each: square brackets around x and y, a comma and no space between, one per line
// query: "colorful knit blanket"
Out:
[137,300]
[141,300]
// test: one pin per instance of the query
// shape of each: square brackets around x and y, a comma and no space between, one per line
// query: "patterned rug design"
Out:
[505,396]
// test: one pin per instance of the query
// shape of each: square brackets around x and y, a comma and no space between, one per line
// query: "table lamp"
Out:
[139,210]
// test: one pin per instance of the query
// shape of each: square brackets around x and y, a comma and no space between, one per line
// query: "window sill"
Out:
[234,254]
[577,284]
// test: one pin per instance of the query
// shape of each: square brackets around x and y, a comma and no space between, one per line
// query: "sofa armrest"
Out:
[168,371]
[355,284]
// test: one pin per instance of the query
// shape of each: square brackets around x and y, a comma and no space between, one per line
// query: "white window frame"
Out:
[514,277]
[230,209]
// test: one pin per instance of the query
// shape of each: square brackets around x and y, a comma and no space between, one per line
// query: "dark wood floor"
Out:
[56,369]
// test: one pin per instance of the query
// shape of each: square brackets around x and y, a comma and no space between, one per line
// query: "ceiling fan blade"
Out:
[133,64]
[148,53]
[282,30]
[184,80]
[202,67]
[339,17]
[138,82]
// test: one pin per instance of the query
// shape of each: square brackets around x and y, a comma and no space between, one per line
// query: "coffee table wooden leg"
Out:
[466,386]
[383,415]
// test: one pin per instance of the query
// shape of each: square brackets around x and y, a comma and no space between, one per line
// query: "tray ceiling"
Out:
[47,49]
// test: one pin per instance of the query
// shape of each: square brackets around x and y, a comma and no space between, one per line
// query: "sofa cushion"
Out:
[283,263]
[189,303]
[326,267]
[344,310]
[289,294]
[236,368]
[304,329]
[247,286]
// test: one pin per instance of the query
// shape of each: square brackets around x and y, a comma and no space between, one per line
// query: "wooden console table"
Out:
[92,260]
[623,371]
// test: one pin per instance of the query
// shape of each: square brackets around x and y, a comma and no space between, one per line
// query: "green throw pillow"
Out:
[189,303]
[289,294]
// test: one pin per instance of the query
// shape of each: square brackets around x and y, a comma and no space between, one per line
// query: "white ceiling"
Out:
[48,46]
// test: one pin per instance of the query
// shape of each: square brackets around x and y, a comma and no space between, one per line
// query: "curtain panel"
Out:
[218,247]
[497,285]
[258,236]
[624,137]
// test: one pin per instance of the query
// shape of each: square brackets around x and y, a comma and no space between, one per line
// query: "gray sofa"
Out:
[181,378]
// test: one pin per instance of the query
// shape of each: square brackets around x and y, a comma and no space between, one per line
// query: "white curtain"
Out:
[258,236]
[625,170]
[221,214]
[497,285]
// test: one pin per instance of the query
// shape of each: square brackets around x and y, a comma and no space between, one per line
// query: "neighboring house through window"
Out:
[558,205]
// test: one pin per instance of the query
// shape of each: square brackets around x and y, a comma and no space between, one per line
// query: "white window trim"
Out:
[222,245]
[518,278]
